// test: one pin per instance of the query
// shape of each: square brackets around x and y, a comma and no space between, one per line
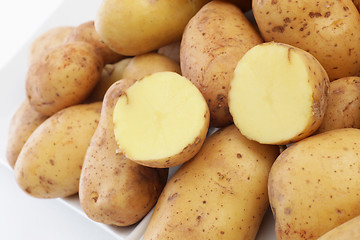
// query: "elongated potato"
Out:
[46,41]
[146,64]
[343,110]
[50,162]
[133,27]
[110,74]
[23,123]
[113,189]
[314,184]
[213,42]
[329,30]
[220,194]
[64,77]
[346,231]
[161,121]
[278,94]
[86,32]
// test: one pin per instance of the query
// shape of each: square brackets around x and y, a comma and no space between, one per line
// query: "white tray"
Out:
[12,92]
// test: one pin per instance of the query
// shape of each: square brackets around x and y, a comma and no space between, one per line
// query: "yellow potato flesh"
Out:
[159,116]
[270,98]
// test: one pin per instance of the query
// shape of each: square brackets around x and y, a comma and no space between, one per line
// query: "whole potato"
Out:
[133,27]
[148,63]
[213,42]
[220,194]
[23,123]
[343,110]
[64,77]
[50,162]
[86,32]
[113,189]
[314,184]
[329,30]
[47,41]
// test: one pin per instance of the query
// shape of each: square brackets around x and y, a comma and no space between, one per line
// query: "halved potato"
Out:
[161,121]
[278,94]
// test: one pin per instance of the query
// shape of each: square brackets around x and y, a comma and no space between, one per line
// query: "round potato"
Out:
[329,30]
[148,63]
[133,27]
[86,32]
[50,163]
[64,77]
[47,41]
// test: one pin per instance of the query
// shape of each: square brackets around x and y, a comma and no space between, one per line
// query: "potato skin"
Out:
[346,231]
[148,63]
[343,109]
[50,162]
[133,27]
[213,42]
[63,78]
[329,30]
[220,194]
[314,184]
[47,41]
[113,189]
[86,32]
[23,123]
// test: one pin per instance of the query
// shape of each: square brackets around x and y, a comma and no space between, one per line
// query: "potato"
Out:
[314,184]
[171,51]
[47,41]
[65,77]
[22,124]
[133,27]
[357,4]
[343,110]
[50,162]
[278,94]
[213,42]
[113,189]
[86,32]
[244,5]
[161,121]
[146,64]
[346,231]
[329,30]
[220,194]
[110,74]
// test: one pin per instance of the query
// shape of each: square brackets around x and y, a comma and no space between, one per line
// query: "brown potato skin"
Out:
[329,30]
[47,41]
[343,109]
[113,189]
[220,194]
[24,121]
[171,51]
[213,42]
[357,4]
[49,164]
[314,184]
[244,5]
[63,78]
[86,32]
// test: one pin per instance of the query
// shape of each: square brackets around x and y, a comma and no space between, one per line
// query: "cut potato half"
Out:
[278,94]
[161,121]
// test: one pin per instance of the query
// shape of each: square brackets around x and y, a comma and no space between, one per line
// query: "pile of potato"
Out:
[113,103]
